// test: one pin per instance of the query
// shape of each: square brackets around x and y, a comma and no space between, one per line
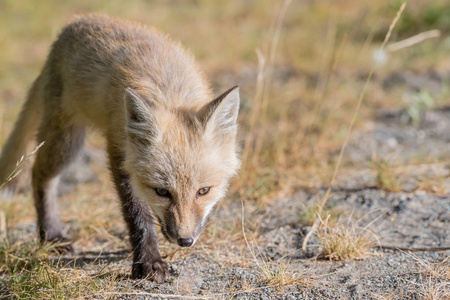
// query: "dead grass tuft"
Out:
[29,271]
[440,271]
[15,256]
[386,178]
[432,290]
[433,184]
[281,274]
[437,283]
[345,240]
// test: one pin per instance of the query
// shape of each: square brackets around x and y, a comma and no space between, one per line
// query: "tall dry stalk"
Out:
[254,140]
[257,105]
[349,130]
[358,106]
[21,161]
[2,115]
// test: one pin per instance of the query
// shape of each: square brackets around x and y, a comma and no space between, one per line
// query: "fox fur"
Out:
[171,146]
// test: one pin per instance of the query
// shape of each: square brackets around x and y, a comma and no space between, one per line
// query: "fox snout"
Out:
[182,228]
[182,239]
[185,242]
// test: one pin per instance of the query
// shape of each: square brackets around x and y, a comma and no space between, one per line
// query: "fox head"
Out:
[180,161]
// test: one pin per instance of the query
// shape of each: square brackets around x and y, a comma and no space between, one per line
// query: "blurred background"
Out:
[314,58]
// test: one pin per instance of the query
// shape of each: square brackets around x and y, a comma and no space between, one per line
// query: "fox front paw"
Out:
[156,270]
[60,245]
[64,246]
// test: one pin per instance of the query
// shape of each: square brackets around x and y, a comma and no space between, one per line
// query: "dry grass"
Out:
[310,212]
[434,184]
[431,290]
[282,274]
[274,273]
[345,240]
[428,177]
[354,116]
[433,285]
[440,271]
[386,178]
[17,170]
[30,271]
[437,283]
[238,285]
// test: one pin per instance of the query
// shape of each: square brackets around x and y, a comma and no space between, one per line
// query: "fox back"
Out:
[97,57]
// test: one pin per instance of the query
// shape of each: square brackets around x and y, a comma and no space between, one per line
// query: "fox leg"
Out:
[147,262]
[63,140]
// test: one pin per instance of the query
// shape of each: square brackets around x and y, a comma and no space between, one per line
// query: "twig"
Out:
[413,249]
[415,39]
[310,233]
[164,296]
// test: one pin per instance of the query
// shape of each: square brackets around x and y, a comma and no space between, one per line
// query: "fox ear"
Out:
[220,115]
[139,114]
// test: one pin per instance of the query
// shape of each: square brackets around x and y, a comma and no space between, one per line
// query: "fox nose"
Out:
[185,242]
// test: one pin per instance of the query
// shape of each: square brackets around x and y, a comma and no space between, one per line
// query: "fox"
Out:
[171,145]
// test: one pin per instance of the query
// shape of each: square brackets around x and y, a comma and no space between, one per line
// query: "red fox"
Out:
[171,146]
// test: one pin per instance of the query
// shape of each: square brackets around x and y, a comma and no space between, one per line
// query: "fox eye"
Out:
[203,191]
[162,192]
